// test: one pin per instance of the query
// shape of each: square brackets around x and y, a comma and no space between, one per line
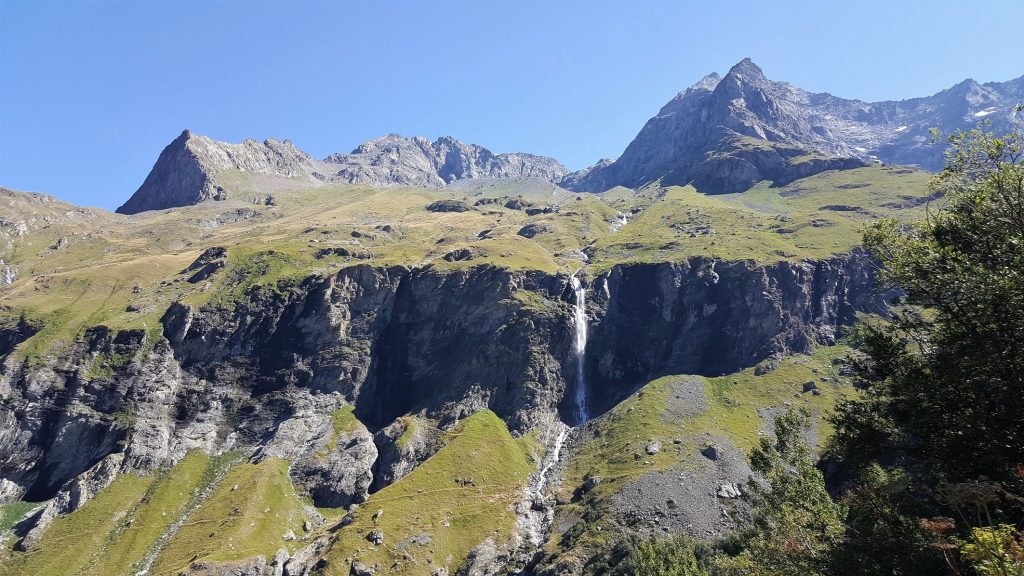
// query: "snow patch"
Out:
[984,112]
[902,128]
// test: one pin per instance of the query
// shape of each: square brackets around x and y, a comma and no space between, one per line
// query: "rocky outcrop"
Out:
[71,497]
[195,168]
[725,133]
[397,160]
[392,340]
[335,467]
[403,445]
[189,170]
[256,566]
[276,374]
[709,317]
[486,559]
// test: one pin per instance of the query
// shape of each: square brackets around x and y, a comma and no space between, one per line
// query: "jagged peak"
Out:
[708,82]
[746,68]
[744,80]
[187,139]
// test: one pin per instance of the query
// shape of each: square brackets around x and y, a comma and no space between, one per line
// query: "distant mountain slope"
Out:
[727,133]
[195,168]
[723,134]
[395,159]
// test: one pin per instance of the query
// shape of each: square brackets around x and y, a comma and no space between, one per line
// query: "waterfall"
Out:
[580,323]
[556,454]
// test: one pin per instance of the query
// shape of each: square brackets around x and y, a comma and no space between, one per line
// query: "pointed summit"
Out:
[191,169]
[746,67]
[725,133]
[744,79]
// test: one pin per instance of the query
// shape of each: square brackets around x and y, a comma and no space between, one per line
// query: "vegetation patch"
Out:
[246,515]
[74,543]
[11,514]
[343,421]
[455,500]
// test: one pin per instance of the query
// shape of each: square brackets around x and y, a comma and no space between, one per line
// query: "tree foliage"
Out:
[947,373]
[654,556]
[796,523]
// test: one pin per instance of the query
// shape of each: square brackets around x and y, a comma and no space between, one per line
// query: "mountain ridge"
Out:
[725,133]
[194,168]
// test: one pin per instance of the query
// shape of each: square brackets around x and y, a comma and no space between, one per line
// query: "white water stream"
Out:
[581,413]
[556,454]
[580,324]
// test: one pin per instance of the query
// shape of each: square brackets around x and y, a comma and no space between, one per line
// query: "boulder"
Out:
[729,491]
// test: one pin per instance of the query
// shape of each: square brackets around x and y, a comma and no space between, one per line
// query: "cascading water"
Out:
[582,415]
[580,324]
[556,454]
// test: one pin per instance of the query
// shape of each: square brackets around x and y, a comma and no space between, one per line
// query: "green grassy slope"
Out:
[458,498]
[811,218]
[205,508]
[247,515]
[736,405]
[78,268]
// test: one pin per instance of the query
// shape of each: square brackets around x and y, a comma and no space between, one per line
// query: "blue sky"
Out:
[91,92]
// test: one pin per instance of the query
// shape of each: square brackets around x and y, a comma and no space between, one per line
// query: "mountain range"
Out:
[425,358]
[723,134]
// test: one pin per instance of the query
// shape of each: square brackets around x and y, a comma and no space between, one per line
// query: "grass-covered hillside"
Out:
[73,268]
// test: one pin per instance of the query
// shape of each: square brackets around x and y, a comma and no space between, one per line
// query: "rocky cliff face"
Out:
[187,170]
[709,317]
[396,160]
[195,168]
[725,133]
[270,372]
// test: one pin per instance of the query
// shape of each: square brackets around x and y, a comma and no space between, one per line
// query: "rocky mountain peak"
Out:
[728,132]
[746,69]
[746,80]
[195,168]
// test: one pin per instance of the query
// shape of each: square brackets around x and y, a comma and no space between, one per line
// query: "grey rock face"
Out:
[729,491]
[393,342]
[302,562]
[342,475]
[195,168]
[371,333]
[71,497]
[486,559]
[707,317]
[397,160]
[426,346]
[403,445]
[360,569]
[335,469]
[256,566]
[187,171]
[725,133]
[173,412]
[208,263]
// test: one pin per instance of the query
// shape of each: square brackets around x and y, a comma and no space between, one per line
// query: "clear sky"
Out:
[91,92]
